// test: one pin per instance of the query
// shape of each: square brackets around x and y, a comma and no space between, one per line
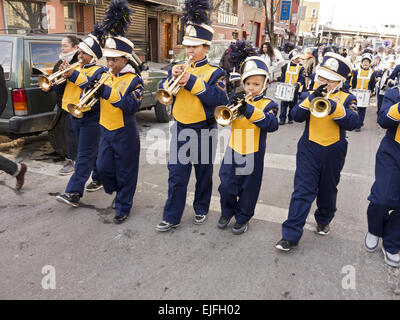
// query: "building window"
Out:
[69,11]
[181,33]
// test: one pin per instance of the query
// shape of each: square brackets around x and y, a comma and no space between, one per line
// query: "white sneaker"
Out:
[392,260]
[371,242]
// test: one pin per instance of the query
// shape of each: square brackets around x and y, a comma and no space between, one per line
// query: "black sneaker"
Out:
[93,186]
[281,123]
[166,226]
[290,121]
[239,228]
[223,222]
[285,245]
[71,199]
[322,230]
[200,218]
[118,219]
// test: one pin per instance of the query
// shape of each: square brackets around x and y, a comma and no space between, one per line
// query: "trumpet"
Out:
[45,82]
[224,115]
[320,107]
[171,88]
[87,101]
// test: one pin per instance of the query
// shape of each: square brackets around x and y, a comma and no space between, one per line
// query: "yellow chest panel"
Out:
[112,118]
[363,78]
[187,106]
[245,136]
[325,131]
[72,91]
[292,74]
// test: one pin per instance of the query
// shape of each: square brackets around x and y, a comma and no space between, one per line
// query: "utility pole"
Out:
[330,25]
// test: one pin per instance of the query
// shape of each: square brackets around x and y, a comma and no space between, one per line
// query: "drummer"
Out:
[363,78]
[292,73]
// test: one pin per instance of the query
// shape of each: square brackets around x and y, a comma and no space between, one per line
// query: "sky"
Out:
[365,12]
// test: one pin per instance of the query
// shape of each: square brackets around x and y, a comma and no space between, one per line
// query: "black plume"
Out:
[239,51]
[196,11]
[117,18]
[98,32]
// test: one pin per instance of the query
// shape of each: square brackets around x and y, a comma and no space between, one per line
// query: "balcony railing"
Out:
[227,18]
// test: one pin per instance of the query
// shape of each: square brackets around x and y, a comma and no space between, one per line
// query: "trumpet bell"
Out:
[223,115]
[320,107]
[164,97]
[44,83]
[74,110]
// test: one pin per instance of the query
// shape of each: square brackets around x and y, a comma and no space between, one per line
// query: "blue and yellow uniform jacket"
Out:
[293,75]
[72,89]
[249,133]
[195,103]
[395,73]
[332,128]
[389,115]
[121,99]
[363,79]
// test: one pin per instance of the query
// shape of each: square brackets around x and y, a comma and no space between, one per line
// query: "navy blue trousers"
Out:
[384,222]
[284,108]
[384,210]
[70,136]
[379,101]
[190,148]
[241,178]
[361,114]
[317,176]
[87,133]
[118,163]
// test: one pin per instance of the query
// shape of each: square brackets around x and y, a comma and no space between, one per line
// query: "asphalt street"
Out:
[51,251]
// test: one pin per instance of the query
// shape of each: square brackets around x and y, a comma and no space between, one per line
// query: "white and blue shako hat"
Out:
[294,54]
[253,66]
[92,45]
[115,24]
[334,67]
[196,18]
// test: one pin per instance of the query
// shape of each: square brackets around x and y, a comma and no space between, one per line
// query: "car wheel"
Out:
[57,137]
[163,113]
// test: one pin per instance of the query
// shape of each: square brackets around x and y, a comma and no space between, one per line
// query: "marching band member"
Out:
[321,151]
[384,209]
[384,82]
[292,73]
[363,78]
[394,77]
[241,180]
[120,98]
[86,129]
[202,89]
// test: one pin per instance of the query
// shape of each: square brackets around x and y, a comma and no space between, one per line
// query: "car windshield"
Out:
[5,57]
[44,57]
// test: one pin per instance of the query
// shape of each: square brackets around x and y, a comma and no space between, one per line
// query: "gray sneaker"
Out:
[371,242]
[392,260]
[67,169]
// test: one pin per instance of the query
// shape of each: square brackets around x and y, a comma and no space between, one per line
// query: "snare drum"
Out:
[285,91]
[362,97]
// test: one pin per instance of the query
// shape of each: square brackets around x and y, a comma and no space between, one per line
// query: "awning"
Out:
[91,2]
[169,3]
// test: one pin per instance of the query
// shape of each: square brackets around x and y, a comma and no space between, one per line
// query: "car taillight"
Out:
[19,102]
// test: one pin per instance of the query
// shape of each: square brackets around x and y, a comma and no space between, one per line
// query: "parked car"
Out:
[29,110]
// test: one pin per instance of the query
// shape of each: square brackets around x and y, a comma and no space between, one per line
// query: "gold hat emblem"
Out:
[250,65]
[191,31]
[332,64]
[111,44]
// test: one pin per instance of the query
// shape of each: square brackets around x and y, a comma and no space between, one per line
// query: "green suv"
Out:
[31,111]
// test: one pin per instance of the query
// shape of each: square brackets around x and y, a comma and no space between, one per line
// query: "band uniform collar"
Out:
[258,97]
[201,63]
